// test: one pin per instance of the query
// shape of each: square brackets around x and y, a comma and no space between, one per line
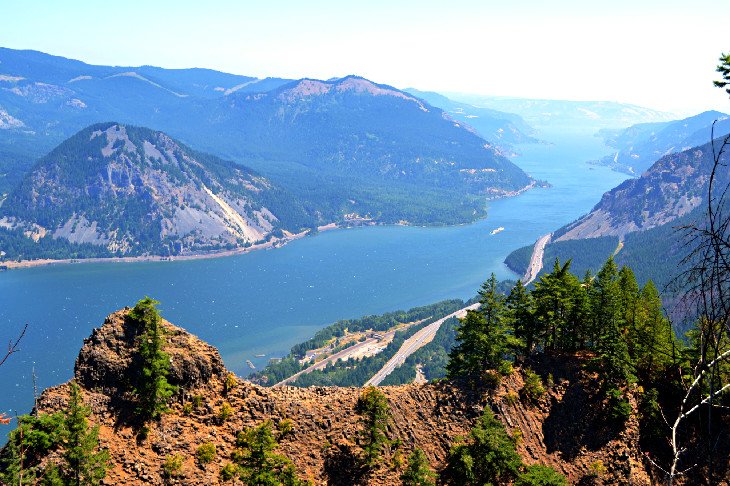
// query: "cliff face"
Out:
[562,430]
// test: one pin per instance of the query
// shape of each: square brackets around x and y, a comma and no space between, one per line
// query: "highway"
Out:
[412,344]
[344,355]
[536,259]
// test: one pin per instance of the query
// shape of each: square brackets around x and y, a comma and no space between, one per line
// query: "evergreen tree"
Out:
[418,472]
[608,321]
[487,456]
[258,464]
[554,308]
[483,338]
[85,465]
[629,300]
[521,318]
[153,389]
[655,346]
[375,411]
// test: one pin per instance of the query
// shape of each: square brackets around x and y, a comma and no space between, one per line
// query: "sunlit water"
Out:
[264,302]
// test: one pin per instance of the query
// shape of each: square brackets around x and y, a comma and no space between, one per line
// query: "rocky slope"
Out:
[563,430]
[673,187]
[639,146]
[133,191]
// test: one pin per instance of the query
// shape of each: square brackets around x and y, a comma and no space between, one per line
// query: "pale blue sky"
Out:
[659,54]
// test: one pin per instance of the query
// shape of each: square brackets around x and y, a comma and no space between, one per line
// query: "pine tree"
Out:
[418,472]
[85,464]
[608,321]
[521,318]
[153,389]
[554,307]
[655,340]
[258,464]
[375,411]
[487,456]
[483,338]
[629,300]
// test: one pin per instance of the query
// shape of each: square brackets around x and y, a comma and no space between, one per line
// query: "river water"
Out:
[264,302]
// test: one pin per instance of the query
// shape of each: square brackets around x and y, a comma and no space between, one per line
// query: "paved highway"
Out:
[412,344]
[536,259]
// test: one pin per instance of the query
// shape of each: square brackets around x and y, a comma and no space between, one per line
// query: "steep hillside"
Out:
[356,128]
[131,191]
[639,146]
[325,422]
[502,129]
[674,186]
[346,146]
[638,220]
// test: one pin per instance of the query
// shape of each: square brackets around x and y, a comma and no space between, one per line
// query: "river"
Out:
[264,302]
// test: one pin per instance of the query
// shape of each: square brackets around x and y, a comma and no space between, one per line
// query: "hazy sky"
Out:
[660,54]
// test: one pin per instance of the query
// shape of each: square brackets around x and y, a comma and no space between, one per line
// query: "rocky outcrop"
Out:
[562,430]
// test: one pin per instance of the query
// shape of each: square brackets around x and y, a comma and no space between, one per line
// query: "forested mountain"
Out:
[639,220]
[113,190]
[344,146]
[639,146]
[501,128]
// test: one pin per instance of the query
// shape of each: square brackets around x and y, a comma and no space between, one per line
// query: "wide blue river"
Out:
[264,302]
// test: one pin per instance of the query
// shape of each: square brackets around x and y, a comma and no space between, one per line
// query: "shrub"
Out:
[511,398]
[225,412]
[285,427]
[230,383]
[187,408]
[597,469]
[206,452]
[532,390]
[619,408]
[538,475]
[172,467]
[228,472]
[197,401]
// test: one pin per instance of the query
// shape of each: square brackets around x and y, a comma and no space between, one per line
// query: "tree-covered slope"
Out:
[129,191]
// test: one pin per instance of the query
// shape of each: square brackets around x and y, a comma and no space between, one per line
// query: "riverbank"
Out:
[273,243]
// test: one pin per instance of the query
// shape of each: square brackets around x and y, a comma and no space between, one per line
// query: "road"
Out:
[412,344]
[344,354]
[536,259]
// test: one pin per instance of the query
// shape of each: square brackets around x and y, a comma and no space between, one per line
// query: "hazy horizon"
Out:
[659,55]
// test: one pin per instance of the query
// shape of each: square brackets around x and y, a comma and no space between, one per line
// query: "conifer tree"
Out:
[483,338]
[554,304]
[153,389]
[258,464]
[629,301]
[375,411]
[608,321]
[85,463]
[655,339]
[418,472]
[521,318]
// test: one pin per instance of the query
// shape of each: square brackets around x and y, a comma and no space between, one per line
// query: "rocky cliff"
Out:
[562,430]
[132,191]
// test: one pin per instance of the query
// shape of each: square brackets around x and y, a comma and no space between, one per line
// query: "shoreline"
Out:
[276,243]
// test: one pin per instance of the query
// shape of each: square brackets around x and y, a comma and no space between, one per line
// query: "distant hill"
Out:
[356,128]
[502,129]
[118,190]
[639,219]
[564,114]
[638,146]
[342,147]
